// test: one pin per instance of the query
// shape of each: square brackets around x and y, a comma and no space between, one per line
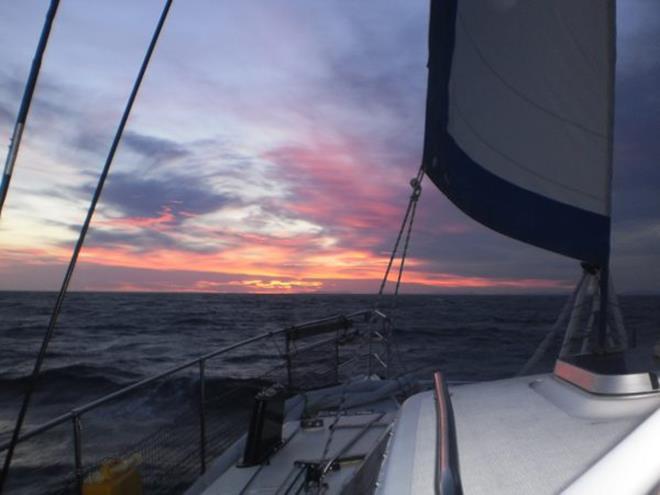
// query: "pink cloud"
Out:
[160,223]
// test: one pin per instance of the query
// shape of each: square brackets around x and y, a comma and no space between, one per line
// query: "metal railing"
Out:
[447,473]
[344,333]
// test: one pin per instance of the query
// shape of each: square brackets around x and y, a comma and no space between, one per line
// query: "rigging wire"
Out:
[24,109]
[32,382]
[414,197]
[416,184]
[408,221]
[406,226]
[558,325]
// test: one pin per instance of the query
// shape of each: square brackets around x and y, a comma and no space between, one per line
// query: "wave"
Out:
[80,376]
[196,321]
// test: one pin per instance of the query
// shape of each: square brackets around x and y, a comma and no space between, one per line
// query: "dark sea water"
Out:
[105,341]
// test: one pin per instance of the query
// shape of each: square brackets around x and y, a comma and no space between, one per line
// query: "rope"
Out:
[545,343]
[31,386]
[326,448]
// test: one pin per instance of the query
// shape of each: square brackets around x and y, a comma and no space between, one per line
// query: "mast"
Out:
[605,267]
[25,102]
[602,313]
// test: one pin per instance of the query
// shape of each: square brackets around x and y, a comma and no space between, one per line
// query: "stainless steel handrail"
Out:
[78,411]
[447,476]
[119,393]
[75,415]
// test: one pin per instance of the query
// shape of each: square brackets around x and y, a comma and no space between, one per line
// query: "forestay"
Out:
[520,116]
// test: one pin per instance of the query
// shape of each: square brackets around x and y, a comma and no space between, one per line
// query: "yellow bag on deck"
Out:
[115,477]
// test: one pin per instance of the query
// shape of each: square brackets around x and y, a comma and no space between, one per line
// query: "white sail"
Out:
[519,121]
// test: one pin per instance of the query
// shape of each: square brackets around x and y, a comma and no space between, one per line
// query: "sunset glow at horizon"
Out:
[270,151]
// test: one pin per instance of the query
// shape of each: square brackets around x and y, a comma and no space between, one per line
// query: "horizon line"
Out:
[318,293]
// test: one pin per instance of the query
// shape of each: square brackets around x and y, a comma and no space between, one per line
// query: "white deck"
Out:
[512,439]
[361,428]
[517,436]
[304,445]
[409,466]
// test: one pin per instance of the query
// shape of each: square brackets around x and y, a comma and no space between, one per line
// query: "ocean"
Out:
[106,341]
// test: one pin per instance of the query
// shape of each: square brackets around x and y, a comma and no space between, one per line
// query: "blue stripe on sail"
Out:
[517,212]
[489,199]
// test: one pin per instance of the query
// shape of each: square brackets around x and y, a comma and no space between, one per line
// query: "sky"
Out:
[270,150]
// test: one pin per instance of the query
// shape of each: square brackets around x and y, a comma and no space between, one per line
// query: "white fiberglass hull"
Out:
[535,434]
[524,435]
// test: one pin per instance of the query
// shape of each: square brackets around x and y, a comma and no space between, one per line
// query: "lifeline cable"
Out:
[21,118]
[31,385]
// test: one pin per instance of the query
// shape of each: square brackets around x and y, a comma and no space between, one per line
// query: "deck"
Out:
[516,436]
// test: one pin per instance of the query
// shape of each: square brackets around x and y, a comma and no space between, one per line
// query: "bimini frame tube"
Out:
[21,118]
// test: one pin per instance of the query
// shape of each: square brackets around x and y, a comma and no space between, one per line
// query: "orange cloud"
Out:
[278,285]
[272,269]
[344,211]
[159,223]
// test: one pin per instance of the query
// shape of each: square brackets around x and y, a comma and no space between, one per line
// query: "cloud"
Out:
[277,158]
[139,240]
[87,139]
[51,99]
[638,34]
[6,116]
[169,270]
[141,197]
[636,148]
[157,150]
